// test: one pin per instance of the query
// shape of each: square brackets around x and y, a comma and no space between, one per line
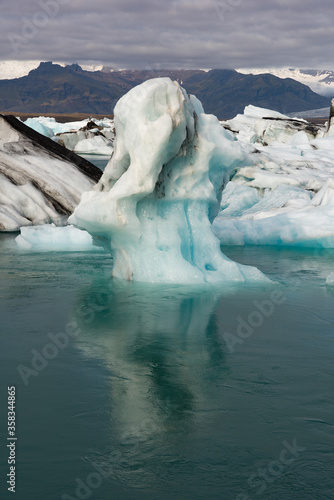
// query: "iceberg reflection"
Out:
[161,346]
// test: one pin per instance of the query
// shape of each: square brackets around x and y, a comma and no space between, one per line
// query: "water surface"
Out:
[168,392]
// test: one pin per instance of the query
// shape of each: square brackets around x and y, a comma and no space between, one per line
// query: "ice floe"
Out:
[50,238]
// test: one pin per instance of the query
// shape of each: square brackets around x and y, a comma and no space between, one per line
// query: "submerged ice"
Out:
[161,190]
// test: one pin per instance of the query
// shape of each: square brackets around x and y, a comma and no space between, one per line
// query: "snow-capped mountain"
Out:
[16,69]
[320,81]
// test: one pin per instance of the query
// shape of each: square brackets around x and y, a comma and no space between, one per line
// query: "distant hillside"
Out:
[52,88]
[320,81]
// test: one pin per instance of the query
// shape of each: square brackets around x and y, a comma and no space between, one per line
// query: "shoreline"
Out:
[60,117]
[71,117]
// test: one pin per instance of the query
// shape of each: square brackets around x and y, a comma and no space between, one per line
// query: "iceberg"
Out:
[39,127]
[161,190]
[285,197]
[87,137]
[285,217]
[40,181]
[261,125]
[97,145]
[50,238]
[57,128]
[95,137]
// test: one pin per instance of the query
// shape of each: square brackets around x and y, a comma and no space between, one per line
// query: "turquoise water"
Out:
[167,392]
[99,161]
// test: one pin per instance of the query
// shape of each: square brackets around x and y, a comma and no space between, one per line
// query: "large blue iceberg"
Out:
[161,190]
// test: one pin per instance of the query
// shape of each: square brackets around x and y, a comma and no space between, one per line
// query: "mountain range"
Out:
[320,81]
[52,88]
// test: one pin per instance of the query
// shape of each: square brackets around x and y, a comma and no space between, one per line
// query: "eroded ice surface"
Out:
[161,190]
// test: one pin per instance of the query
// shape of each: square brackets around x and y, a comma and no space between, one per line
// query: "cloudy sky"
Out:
[170,33]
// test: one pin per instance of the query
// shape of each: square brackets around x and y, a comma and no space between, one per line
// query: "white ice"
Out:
[35,187]
[59,128]
[24,203]
[286,196]
[154,205]
[330,279]
[299,222]
[264,126]
[39,127]
[96,141]
[95,146]
[49,237]
[280,193]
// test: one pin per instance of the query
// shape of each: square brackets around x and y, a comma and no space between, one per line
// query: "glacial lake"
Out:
[99,161]
[139,392]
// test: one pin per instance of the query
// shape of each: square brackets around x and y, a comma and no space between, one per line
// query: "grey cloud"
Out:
[182,33]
